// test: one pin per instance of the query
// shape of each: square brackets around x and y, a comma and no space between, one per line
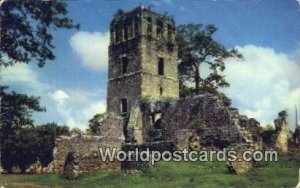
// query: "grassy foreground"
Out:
[283,173]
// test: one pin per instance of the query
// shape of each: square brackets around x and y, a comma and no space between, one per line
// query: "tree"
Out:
[283,114]
[95,122]
[22,143]
[26,145]
[17,109]
[281,120]
[16,128]
[26,36]
[45,141]
[196,46]
[26,30]
[19,149]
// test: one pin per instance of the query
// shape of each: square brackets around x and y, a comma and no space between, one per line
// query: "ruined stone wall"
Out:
[152,86]
[155,47]
[87,147]
[208,116]
[147,15]
[129,49]
[112,126]
[152,50]
[283,130]
[181,138]
[126,87]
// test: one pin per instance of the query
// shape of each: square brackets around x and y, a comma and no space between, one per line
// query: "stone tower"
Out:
[142,59]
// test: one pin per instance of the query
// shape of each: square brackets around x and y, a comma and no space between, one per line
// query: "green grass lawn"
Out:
[283,173]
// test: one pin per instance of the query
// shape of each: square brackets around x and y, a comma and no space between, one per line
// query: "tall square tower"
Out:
[142,59]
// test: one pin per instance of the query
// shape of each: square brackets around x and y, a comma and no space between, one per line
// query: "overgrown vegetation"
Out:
[21,142]
[145,101]
[95,123]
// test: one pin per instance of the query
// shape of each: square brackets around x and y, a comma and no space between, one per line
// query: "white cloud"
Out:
[95,108]
[59,96]
[23,76]
[265,83]
[92,48]
[20,72]
[76,107]
[69,106]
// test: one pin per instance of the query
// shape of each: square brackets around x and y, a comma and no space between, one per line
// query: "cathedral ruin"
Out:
[143,105]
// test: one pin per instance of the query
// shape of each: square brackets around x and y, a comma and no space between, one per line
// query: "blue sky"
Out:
[267,32]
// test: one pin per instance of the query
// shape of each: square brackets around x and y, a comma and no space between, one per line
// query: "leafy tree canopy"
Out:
[95,122]
[17,109]
[26,30]
[45,141]
[24,146]
[196,47]
[15,128]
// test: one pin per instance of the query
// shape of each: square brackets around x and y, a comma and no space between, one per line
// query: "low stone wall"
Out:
[87,148]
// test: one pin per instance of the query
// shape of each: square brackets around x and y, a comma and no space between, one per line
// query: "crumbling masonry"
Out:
[143,102]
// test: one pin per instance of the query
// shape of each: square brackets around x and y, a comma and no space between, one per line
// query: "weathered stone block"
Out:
[86,147]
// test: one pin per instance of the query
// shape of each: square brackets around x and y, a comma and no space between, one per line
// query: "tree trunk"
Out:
[197,80]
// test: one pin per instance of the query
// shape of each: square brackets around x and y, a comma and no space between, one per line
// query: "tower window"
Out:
[128,28]
[169,32]
[125,33]
[161,66]
[160,91]
[149,25]
[118,33]
[117,36]
[136,26]
[159,28]
[124,62]
[123,105]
